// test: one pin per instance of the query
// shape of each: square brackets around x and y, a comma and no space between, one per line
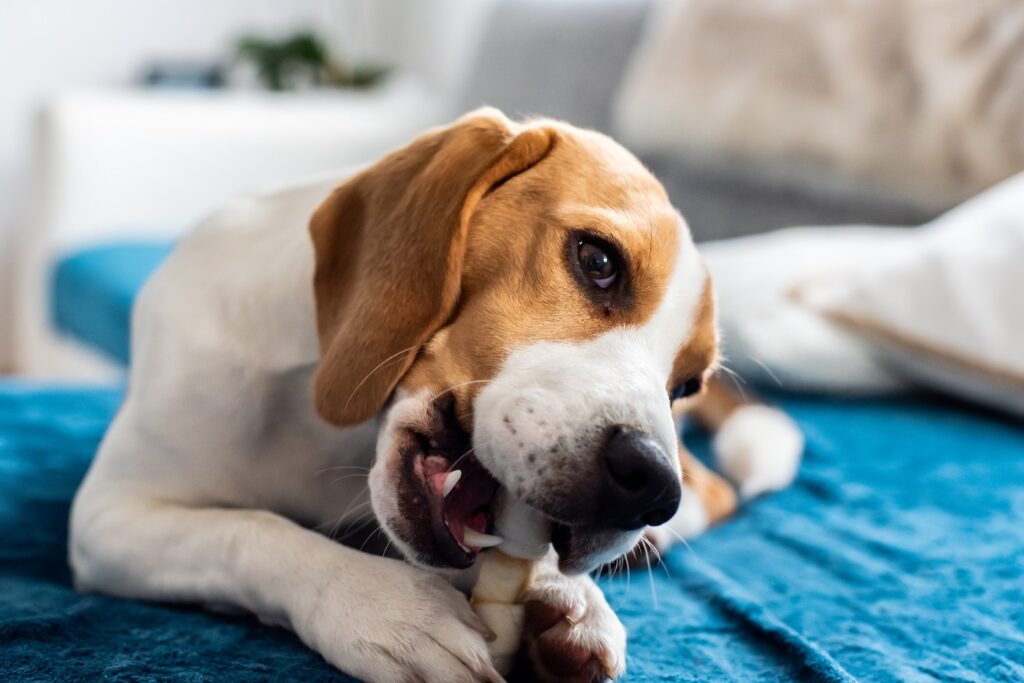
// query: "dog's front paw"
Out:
[403,624]
[572,635]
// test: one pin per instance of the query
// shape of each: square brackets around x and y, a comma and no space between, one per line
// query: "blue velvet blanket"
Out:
[897,555]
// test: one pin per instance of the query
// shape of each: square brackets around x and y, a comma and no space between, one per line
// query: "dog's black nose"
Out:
[641,487]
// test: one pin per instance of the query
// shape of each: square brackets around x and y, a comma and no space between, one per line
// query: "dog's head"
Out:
[519,303]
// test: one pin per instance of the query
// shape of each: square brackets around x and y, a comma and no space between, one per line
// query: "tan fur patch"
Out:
[433,265]
[518,286]
[389,246]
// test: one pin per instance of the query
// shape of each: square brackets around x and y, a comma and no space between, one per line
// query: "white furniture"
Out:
[149,164]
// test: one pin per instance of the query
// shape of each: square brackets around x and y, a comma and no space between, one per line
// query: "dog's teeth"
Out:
[450,481]
[474,538]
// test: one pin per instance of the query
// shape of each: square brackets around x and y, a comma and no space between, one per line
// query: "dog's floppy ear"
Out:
[389,245]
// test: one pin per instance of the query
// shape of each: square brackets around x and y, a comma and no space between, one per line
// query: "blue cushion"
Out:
[93,290]
[897,555]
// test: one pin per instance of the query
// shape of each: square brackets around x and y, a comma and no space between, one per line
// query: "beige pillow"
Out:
[911,97]
[947,312]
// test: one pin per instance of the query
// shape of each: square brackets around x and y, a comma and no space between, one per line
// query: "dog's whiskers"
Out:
[352,470]
[364,519]
[737,381]
[767,369]
[360,525]
[617,567]
[370,537]
[343,477]
[657,553]
[681,540]
[722,364]
[333,533]
[336,468]
[354,506]
[457,386]
[628,572]
[650,574]
[360,475]
[462,457]
[379,366]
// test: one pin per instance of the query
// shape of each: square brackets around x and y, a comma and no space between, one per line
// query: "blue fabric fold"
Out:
[898,555]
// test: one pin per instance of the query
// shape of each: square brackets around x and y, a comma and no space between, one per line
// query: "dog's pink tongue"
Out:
[477,522]
[435,470]
[467,493]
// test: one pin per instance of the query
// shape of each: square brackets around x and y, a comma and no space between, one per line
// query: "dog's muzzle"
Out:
[446,496]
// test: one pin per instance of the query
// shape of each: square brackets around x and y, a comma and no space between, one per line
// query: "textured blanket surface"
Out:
[897,555]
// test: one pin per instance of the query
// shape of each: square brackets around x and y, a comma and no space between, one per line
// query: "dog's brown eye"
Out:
[687,388]
[597,264]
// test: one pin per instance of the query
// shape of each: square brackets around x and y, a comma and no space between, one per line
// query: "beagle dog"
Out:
[498,305]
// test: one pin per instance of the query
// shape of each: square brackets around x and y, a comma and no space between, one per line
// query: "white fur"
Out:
[218,448]
[759,448]
[216,475]
[591,623]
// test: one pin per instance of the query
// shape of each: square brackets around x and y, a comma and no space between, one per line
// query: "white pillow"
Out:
[948,309]
[768,337]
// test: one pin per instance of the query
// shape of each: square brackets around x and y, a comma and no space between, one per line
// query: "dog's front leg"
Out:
[376,618]
[572,634]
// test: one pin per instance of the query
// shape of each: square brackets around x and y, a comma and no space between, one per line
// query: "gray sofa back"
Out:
[566,59]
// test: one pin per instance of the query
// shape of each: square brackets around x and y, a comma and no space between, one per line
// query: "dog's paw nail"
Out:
[576,612]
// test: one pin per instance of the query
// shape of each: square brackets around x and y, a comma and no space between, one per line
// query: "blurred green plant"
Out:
[302,58]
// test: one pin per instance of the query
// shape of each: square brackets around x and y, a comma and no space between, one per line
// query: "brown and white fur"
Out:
[432,303]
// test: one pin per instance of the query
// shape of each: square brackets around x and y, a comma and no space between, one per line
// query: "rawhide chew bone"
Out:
[506,571]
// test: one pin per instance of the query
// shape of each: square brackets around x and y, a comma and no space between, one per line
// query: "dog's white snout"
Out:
[541,425]
[530,420]
[519,434]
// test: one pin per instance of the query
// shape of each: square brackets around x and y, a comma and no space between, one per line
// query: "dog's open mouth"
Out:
[460,496]
[452,495]
[459,492]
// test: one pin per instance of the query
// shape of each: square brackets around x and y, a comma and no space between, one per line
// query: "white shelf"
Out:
[151,163]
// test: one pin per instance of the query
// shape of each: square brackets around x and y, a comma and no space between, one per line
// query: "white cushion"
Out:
[768,337]
[947,310]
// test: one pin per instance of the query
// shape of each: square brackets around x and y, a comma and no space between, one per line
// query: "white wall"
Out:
[51,45]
